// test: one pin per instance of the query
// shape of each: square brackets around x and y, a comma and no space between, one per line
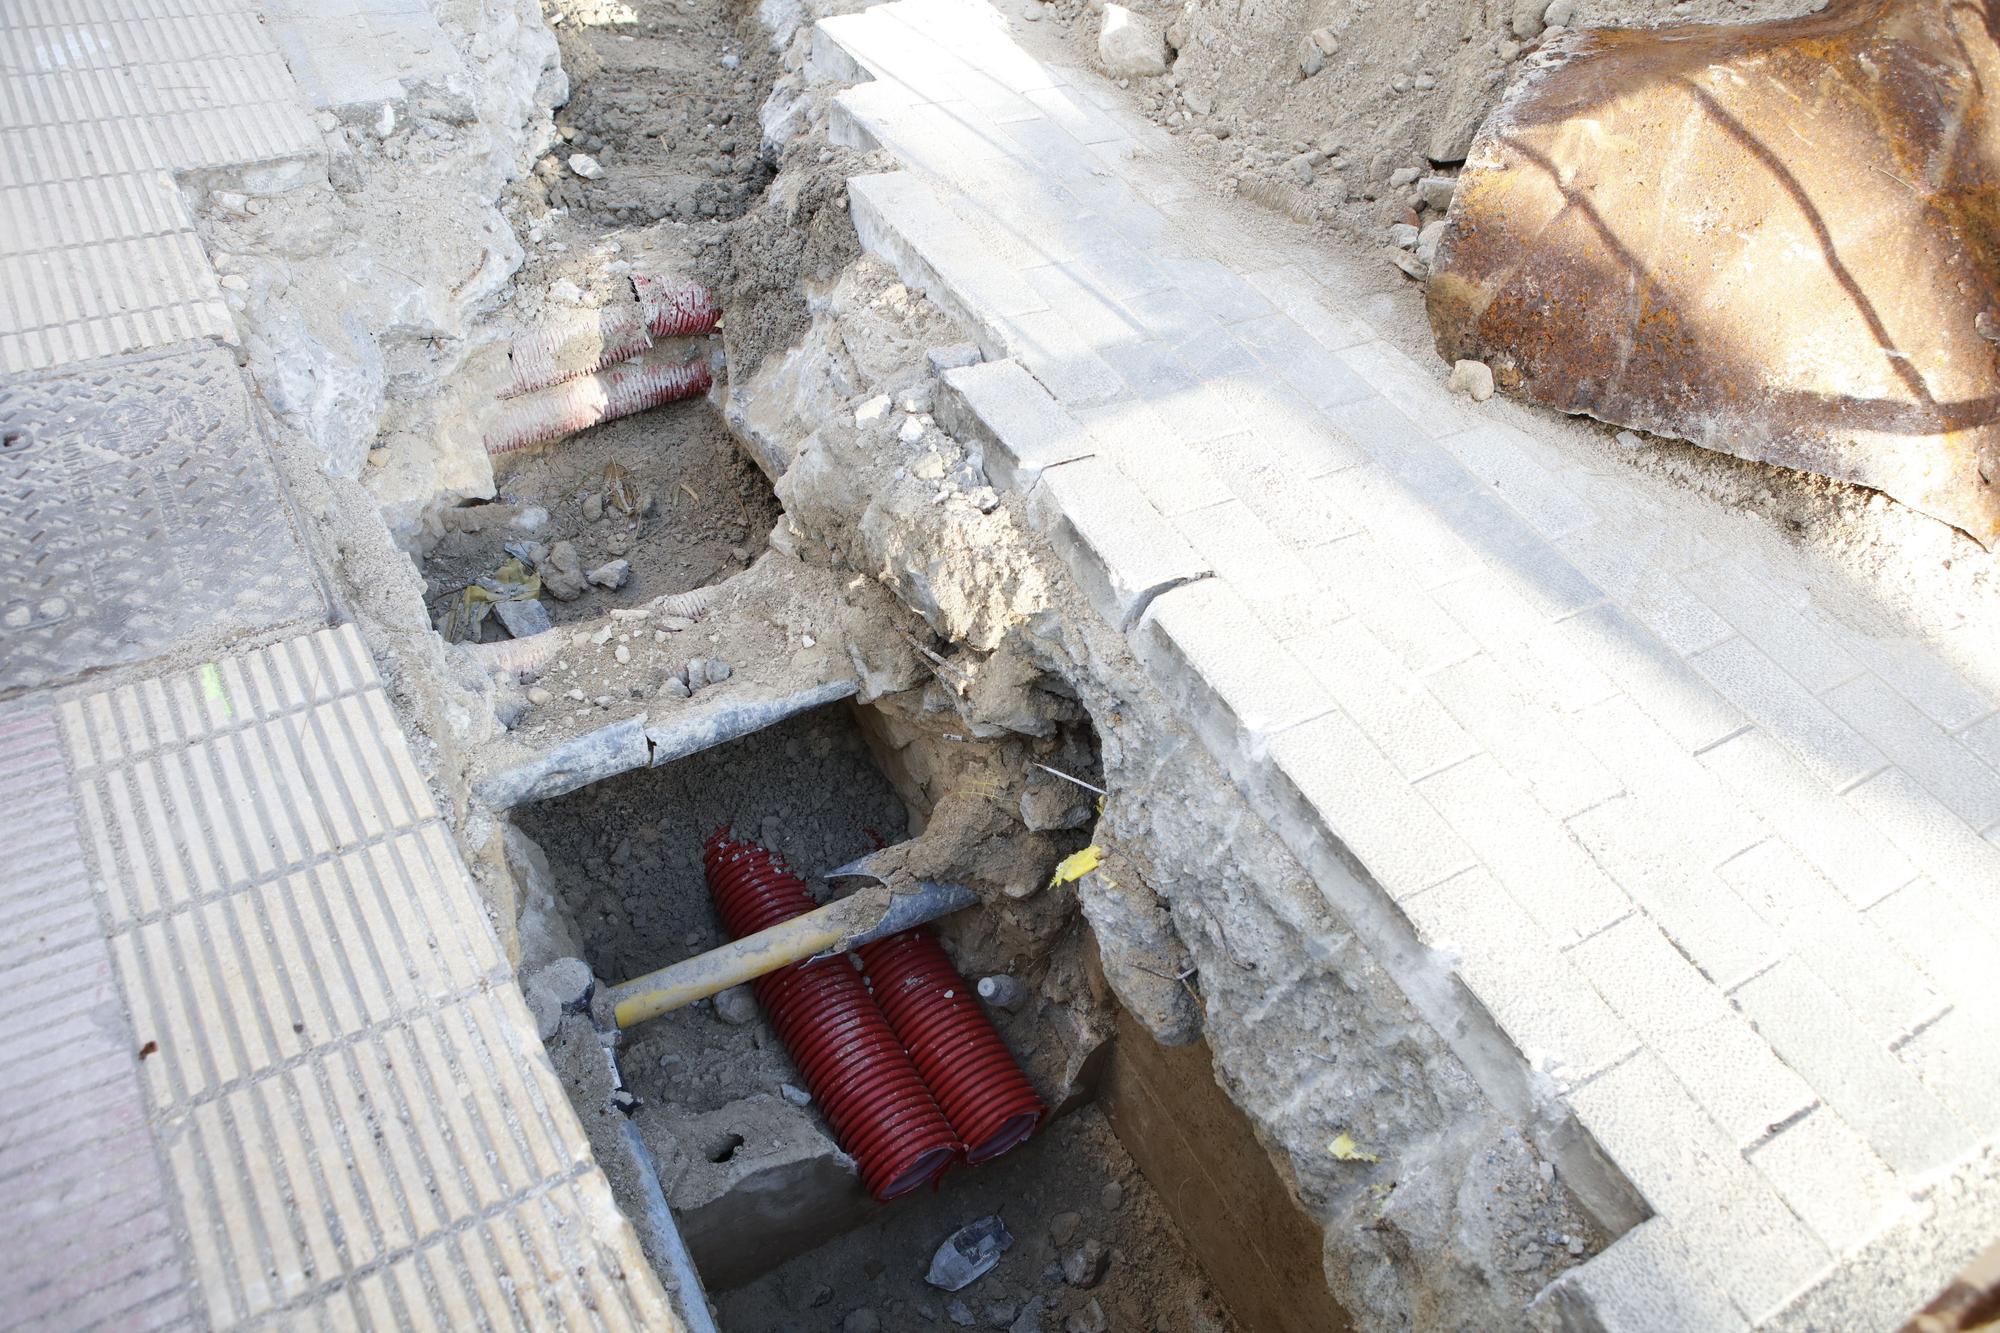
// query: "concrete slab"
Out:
[139,510]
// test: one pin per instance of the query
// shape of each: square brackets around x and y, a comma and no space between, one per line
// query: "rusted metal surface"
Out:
[1777,240]
[1972,1301]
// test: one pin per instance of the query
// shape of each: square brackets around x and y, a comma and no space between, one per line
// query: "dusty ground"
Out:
[699,511]
[1405,87]
[1068,1191]
[627,852]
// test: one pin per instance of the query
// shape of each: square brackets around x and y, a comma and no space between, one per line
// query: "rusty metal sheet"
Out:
[1776,240]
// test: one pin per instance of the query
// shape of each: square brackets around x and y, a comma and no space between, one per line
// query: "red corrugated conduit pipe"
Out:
[975,1078]
[843,1046]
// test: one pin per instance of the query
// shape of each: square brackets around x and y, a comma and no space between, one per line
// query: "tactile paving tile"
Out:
[103,103]
[344,1098]
[139,509]
[87,1225]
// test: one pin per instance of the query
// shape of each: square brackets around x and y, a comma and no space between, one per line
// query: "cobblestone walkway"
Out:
[1719,863]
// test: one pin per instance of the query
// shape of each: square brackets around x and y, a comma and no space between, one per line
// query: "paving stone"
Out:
[1561,1025]
[1687,1021]
[1655,677]
[1124,555]
[1957,1057]
[1864,863]
[1948,769]
[1531,741]
[1409,725]
[1829,749]
[1021,429]
[1494,453]
[1535,654]
[1688,1170]
[1648,1280]
[1329,775]
[1847,951]
[1203,642]
[1268,575]
[1831,1178]
[1797,646]
[1397,611]
[1936,841]
[1815,1034]
[1309,305]
[1174,478]
[1952,947]
[1547,872]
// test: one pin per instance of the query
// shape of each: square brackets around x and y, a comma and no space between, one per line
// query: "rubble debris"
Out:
[1646,233]
[1474,379]
[611,574]
[583,164]
[1129,46]
[969,1254]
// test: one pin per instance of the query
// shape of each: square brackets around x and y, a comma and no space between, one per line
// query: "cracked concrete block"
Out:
[767,1183]
[1021,429]
[1121,551]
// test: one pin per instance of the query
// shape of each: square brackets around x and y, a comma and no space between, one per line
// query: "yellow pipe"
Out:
[832,927]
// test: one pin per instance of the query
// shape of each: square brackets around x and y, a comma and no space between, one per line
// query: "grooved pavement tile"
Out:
[343,1107]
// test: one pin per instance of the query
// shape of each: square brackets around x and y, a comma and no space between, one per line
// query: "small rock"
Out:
[1311,59]
[819,1296]
[736,1006]
[1574,1245]
[1435,192]
[1428,241]
[1412,266]
[999,1314]
[612,574]
[715,671]
[1129,46]
[1324,39]
[1402,176]
[872,411]
[1474,379]
[1090,1319]
[1111,1196]
[730,60]
[863,1320]
[910,431]
[954,357]
[1547,1171]
[593,507]
[586,166]
[1084,1266]
[548,1013]
[567,979]
[958,1312]
[969,1254]
[1403,236]
[1560,14]
[378,457]
[1527,23]
[538,696]
[1201,104]
[622,654]
[385,121]
[1630,440]
[1062,1229]
[796,1096]
[565,291]
[562,573]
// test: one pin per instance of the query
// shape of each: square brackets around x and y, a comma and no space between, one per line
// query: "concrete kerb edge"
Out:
[1431,985]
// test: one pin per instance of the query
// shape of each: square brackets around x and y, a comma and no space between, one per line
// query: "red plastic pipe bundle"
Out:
[675,307]
[851,1060]
[563,409]
[975,1078]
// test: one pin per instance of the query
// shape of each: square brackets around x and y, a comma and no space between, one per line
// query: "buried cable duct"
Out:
[975,1078]
[631,386]
[675,307]
[582,344]
[843,1046]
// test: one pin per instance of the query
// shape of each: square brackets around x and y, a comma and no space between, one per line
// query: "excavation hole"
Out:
[667,491]
[722,1147]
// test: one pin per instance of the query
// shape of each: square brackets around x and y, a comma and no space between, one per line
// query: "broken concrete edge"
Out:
[633,743]
[661,1237]
[871,199]
[1238,715]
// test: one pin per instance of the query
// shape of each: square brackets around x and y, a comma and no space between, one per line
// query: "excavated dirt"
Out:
[667,491]
[1070,1194]
[627,852]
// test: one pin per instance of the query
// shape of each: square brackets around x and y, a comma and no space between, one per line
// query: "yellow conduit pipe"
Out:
[866,915]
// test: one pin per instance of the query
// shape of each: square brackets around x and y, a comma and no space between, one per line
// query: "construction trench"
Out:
[775,595]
